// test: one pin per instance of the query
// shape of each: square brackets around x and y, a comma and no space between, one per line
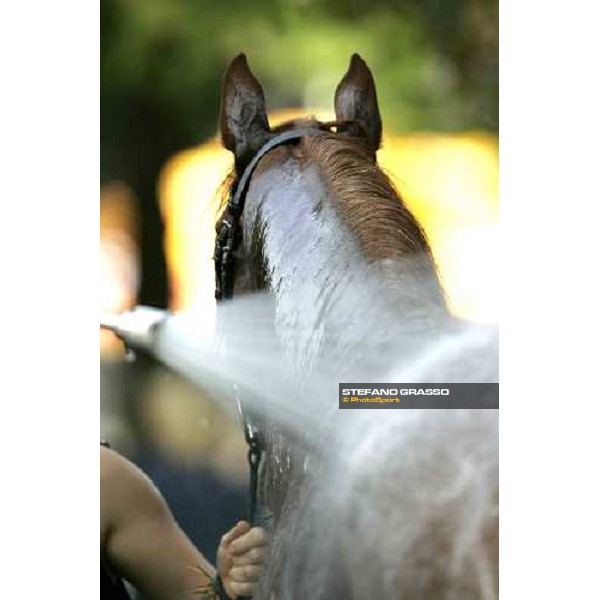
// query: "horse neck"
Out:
[329,295]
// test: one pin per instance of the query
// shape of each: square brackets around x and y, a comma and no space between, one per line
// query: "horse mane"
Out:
[365,197]
[361,192]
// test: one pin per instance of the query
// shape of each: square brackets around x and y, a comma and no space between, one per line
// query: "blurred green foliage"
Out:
[435,64]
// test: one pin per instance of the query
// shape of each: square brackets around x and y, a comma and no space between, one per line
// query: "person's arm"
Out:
[142,543]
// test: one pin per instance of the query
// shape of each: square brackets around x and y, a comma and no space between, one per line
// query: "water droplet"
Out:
[130,355]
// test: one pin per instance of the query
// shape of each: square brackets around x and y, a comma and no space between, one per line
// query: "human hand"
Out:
[240,559]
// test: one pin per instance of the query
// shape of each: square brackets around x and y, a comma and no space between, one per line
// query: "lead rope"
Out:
[255,450]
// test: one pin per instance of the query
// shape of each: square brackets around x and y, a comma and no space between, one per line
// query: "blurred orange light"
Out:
[119,269]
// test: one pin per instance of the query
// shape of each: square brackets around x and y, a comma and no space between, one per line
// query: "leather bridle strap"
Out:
[228,235]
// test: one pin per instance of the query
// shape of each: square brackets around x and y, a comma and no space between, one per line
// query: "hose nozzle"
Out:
[135,327]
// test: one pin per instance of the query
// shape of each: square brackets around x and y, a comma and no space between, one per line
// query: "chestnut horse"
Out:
[326,232]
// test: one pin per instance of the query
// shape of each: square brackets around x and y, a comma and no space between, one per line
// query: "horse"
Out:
[327,234]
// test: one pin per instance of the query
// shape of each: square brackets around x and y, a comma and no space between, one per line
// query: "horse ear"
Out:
[356,100]
[243,117]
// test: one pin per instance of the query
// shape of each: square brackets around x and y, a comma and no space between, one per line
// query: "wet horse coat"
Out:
[350,270]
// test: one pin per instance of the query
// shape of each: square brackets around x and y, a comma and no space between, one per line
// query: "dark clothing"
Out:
[111,587]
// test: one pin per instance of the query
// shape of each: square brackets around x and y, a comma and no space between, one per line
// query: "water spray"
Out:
[137,328]
[142,329]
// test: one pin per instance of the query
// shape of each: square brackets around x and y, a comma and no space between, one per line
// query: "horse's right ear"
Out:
[356,100]
[243,116]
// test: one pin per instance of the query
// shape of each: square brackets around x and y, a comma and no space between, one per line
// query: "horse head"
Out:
[323,227]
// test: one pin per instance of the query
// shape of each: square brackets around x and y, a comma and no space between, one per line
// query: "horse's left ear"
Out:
[356,100]
[243,116]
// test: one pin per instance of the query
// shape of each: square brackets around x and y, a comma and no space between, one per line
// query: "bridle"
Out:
[228,239]
[228,236]
[227,242]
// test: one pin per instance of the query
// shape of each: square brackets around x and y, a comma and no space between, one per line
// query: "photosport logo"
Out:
[418,395]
